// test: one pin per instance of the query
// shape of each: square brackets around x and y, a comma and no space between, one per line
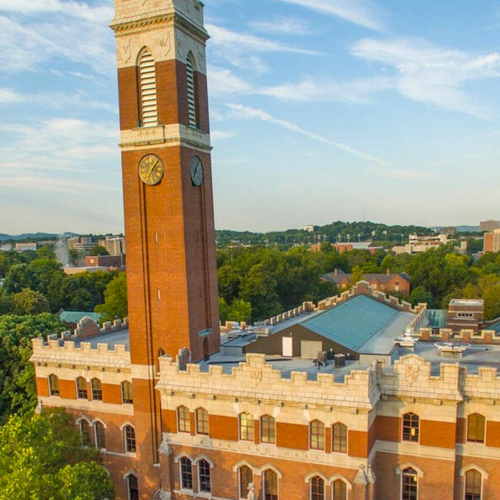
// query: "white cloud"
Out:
[219,135]
[245,112]
[236,43]
[309,90]
[431,74]
[402,174]
[282,25]
[222,81]
[362,12]
[8,96]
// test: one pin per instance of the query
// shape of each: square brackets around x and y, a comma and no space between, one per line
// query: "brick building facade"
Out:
[175,421]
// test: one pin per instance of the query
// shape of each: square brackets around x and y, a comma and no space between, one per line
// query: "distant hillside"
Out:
[33,236]
[460,229]
[379,234]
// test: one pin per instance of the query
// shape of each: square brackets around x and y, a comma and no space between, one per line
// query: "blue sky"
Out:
[321,110]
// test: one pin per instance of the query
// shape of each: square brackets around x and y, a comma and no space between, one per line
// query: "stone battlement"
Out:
[446,334]
[87,328]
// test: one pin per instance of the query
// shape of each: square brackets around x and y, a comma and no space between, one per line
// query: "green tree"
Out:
[98,250]
[420,295]
[42,458]
[17,374]
[30,302]
[357,275]
[21,276]
[240,310]
[115,300]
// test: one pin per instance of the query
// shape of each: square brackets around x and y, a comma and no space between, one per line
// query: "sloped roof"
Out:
[357,321]
[76,316]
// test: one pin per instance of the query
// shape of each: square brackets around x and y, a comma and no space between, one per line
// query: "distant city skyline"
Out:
[321,110]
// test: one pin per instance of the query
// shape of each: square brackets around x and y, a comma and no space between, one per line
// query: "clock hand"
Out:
[151,169]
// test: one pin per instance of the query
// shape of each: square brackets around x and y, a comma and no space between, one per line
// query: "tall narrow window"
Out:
[54,385]
[191,90]
[85,433]
[410,427]
[186,474]
[317,488]
[246,427]
[96,389]
[409,484]
[245,476]
[201,421]
[149,103]
[267,429]
[339,438]
[129,434]
[317,435]
[100,435]
[270,485]
[133,487]
[472,485]
[81,388]
[475,428]
[183,419]
[127,393]
[204,476]
[339,490]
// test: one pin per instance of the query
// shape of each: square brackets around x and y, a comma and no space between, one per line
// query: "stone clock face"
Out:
[151,170]
[196,171]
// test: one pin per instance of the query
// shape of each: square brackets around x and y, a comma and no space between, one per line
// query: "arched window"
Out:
[476,424]
[339,438]
[54,385]
[473,485]
[317,486]
[245,477]
[129,435]
[410,427]
[183,419]
[204,476]
[133,487]
[409,484]
[246,427]
[85,432]
[186,473]
[317,435]
[270,485]
[339,490]
[100,435]
[267,429]
[201,421]
[191,90]
[127,393]
[96,389]
[147,78]
[81,388]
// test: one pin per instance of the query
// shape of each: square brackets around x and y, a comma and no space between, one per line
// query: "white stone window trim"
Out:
[256,471]
[410,465]
[315,474]
[310,436]
[336,477]
[469,467]
[267,467]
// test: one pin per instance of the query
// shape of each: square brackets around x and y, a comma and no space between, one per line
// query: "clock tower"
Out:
[168,200]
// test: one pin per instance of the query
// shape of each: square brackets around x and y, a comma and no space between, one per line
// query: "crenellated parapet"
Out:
[257,381]
[87,328]
[59,353]
[470,336]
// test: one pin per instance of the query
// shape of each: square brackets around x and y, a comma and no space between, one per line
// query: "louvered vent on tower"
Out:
[148,90]
[191,91]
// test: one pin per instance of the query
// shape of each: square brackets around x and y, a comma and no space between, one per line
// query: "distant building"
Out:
[489,225]
[85,269]
[25,247]
[309,229]
[112,262]
[449,231]
[80,243]
[386,282]
[492,241]
[465,314]
[418,244]
[347,247]
[115,245]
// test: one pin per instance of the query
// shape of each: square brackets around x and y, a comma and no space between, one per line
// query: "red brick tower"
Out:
[168,200]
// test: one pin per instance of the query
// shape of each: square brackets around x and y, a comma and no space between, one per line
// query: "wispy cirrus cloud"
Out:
[245,112]
[282,26]
[361,12]
[431,74]
[8,96]
[222,81]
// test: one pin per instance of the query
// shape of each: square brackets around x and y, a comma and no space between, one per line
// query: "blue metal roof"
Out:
[76,316]
[353,323]
[494,326]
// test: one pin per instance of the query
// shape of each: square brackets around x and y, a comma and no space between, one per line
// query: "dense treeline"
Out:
[260,282]
[379,234]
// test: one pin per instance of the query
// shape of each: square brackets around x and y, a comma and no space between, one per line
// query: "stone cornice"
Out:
[135,25]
